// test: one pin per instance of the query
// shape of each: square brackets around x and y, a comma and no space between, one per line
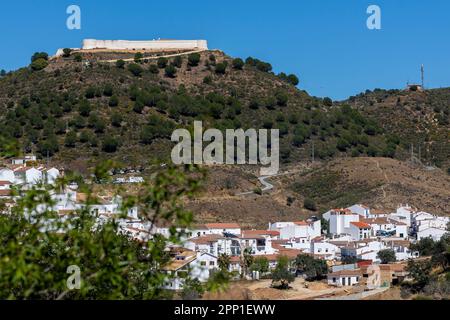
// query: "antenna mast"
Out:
[422,71]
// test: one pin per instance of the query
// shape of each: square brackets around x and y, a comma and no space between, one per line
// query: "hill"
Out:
[381,183]
[82,109]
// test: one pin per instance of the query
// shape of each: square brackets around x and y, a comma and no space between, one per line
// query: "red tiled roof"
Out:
[361,225]
[340,273]
[301,223]
[5,193]
[252,233]
[5,183]
[222,225]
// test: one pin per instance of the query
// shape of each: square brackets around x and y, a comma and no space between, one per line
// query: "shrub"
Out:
[327,102]
[263,66]
[221,68]
[120,64]
[238,64]
[110,144]
[386,256]
[193,59]
[207,80]
[309,204]
[135,69]
[177,61]
[282,98]
[282,276]
[71,139]
[113,101]
[78,57]
[90,93]
[162,62]
[153,68]
[39,55]
[138,57]
[108,90]
[293,79]
[313,269]
[67,52]
[116,119]
[170,71]
[39,64]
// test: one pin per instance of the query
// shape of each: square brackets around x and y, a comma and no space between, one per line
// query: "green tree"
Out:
[34,263]
[221,68]
[120,64]
[78,57]
[2,73]
[162,62]
[138,57]
[113,101]
[309,204]
[153,68]
[116,119]
[327,102]
[71,139]
[177,61]
[293,79]
[39,55]
[135,69]
[246,260]
[193,59]
[260,264]
[386,256]
[224,262]
[67,52]
[110,144]
[170,71]
[39,64]
[108,90]
[238,64]
[282,276]
[313,268]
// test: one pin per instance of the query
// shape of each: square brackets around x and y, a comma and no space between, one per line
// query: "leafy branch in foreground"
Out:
[37,246]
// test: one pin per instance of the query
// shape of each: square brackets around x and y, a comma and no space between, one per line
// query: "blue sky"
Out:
[325,42]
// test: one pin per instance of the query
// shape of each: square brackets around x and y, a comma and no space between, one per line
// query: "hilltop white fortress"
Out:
[145,45]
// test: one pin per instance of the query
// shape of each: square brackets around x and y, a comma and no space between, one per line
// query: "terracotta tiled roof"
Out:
[252,233]
[301,223]
[340,273]
[222,225]
[5,183]
[376,221]
[206,239]
[360,225]
[5,193]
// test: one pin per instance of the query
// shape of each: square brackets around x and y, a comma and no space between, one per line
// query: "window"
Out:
[203,263]
[211,263]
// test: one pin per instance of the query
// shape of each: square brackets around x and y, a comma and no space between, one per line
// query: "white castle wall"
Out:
[144,45]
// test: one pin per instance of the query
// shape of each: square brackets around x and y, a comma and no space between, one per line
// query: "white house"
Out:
[197,265]
[433,233]
[50,175]
[325,249]
[344,278]
[299,230]
[27,175]
[360,230]
[7,174]
[215,228]
[5,185]
[340,219]
[361,209]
